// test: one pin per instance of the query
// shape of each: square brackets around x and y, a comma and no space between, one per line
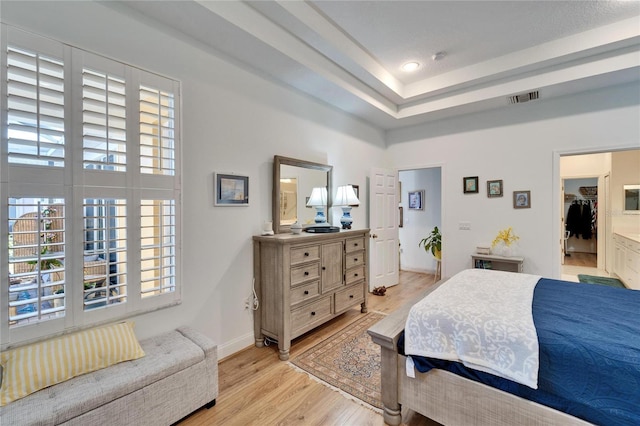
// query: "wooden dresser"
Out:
[304,280]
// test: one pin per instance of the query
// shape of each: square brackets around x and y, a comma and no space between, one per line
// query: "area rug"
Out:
[592,279]
[348,360]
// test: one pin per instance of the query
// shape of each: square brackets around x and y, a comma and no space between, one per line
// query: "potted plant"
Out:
[433,243]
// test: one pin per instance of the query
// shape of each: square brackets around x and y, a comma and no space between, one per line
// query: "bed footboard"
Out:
[386,333]
[445,397]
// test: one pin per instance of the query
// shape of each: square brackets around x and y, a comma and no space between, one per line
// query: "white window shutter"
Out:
[35,108]
[104,121]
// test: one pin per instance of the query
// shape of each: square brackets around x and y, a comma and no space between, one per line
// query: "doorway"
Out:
[417,220]
[581,224]
[612,170]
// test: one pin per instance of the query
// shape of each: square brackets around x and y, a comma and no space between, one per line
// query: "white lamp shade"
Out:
[346,196]
[318,197]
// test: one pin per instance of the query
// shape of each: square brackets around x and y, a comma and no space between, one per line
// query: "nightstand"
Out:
[498,263]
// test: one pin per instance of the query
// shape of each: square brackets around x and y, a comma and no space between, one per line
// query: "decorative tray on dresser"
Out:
[304,280]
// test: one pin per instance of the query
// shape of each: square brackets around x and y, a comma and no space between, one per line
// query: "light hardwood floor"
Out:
[582,259]
[256,388]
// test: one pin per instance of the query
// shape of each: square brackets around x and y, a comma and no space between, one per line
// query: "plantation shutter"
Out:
[35,108]
[157,131]
[158,247]
[103,121]
[105,253]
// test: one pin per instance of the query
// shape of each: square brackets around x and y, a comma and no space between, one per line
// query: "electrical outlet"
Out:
[247,302]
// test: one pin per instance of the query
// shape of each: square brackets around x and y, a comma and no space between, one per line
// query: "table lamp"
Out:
[346,198]
[318,199]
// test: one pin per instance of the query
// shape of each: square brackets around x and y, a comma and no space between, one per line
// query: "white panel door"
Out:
[383,220]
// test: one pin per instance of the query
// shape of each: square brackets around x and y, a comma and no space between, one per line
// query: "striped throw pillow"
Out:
[30,368]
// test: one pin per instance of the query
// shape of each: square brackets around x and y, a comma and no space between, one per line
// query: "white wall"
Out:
[417,224]
[521,145]
[233,121]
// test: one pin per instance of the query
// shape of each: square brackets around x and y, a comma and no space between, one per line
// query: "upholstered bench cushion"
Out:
[165,355]
[29,368]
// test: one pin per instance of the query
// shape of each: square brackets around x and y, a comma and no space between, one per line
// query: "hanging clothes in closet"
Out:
[579,220]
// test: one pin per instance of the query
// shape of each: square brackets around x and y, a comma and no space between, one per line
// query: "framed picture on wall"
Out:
[521,199]
[470,185]
[494,188]
[231,190]
[416,200]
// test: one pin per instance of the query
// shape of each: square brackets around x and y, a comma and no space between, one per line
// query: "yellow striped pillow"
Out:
[33,367]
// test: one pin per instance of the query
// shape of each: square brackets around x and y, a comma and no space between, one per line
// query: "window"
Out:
[90,206]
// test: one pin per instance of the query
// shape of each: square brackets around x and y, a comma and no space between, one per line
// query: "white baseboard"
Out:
[235,345]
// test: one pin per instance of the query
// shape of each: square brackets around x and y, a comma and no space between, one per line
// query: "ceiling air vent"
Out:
[523,97]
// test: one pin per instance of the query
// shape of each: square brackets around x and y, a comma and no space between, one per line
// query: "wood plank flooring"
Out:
[582,259]
[256,388]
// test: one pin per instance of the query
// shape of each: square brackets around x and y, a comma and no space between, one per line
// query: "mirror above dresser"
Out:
[293,182]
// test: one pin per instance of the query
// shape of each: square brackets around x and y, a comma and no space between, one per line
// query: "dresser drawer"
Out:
[354,244]
[304,273]
[304,254]
[304,317]
[354,259]
[633,262]
[354,275]
[305,292]
[632,245]
[349,296]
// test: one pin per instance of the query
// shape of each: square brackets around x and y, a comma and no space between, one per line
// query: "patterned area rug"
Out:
[348,360]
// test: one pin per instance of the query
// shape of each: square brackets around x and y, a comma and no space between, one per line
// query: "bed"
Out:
[598,326]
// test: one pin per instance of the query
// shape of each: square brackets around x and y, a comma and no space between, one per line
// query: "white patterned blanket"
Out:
[481,318]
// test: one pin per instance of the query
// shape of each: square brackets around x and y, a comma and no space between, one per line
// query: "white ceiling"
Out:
[349,53]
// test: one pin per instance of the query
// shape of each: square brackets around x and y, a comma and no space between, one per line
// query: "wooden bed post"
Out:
[391,407]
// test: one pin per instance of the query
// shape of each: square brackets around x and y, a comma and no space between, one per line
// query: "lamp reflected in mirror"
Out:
[318,199]
[346,198]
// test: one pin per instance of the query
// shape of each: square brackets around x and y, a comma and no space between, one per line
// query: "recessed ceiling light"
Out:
[411,66]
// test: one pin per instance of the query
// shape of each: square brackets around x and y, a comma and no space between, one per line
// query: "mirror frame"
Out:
[626,188]
[279,160]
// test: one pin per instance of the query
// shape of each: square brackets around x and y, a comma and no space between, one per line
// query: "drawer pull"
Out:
[355,244]
[324,268]
[313,313]
[306,253]
[306,292]
[351,296]
[355,275]
[306,273]
[355,259]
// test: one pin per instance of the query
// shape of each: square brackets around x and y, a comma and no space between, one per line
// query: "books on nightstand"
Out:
[482,264]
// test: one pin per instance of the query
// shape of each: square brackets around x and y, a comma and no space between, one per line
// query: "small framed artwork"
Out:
[470,185]
[494,188]
[416,200]
[356,189]
[521,199]
[231,190]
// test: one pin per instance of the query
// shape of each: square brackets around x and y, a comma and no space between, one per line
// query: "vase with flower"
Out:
[504,244]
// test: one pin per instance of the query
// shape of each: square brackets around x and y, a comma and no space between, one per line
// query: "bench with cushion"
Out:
[177,375]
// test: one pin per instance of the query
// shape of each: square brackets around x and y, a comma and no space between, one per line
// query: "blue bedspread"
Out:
[589,338]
